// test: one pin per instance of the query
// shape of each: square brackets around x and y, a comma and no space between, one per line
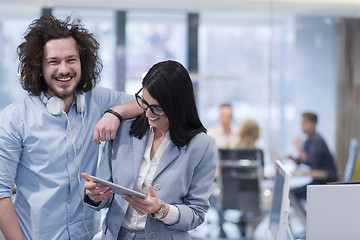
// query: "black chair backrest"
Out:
[241,153]
[241,182]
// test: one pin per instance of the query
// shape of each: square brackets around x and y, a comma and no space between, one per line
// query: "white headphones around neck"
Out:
[56,105]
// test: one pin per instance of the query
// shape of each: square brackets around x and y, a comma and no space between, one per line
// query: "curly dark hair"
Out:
[31,52]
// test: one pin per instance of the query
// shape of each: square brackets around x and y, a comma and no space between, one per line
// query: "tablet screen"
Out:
[118,189]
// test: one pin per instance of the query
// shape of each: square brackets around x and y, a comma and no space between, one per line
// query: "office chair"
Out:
[242,173]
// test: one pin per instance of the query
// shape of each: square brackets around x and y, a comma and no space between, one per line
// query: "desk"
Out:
[315,174]
[304,170]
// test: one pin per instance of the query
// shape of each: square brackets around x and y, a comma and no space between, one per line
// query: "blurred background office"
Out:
[270,59]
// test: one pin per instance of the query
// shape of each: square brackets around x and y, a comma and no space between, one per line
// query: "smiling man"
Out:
[62,69]
[46,139]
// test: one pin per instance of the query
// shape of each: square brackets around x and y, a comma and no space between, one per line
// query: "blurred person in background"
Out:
[314,152]
[224,134]
[248,134]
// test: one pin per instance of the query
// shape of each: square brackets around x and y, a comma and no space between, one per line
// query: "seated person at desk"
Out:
[315,154]
[164,153]
[224,134]
[248,134]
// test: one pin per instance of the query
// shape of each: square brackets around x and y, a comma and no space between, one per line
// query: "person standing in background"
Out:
[224,134]
[46,139]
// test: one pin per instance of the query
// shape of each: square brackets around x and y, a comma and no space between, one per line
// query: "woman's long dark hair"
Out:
[170,85]
[31,52]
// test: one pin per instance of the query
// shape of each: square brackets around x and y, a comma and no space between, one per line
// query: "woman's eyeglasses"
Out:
[157,110]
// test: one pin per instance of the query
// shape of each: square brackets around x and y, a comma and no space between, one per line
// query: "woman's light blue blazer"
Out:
[184,178]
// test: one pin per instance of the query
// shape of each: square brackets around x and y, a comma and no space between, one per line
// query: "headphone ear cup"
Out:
[55,105]
[80,102]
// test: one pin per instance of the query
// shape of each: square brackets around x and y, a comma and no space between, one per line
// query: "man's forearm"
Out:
[303,156]
[128,110]
[106,128]
[9,223]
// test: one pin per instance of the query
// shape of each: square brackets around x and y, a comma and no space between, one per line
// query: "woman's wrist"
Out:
[162,212]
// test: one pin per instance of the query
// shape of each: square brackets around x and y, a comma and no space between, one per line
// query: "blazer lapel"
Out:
[139,146]
[171,153]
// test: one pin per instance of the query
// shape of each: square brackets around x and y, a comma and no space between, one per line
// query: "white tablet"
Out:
[118,189]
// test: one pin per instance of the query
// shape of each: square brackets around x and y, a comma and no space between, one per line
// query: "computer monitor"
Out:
[353,155]
[280,204]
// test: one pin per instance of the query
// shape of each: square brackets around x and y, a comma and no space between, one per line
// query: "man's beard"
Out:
[62,94]
[68,92]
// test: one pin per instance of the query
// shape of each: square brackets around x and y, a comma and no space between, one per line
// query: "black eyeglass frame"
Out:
[139,98]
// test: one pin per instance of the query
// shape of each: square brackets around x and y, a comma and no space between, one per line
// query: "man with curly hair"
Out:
[46,139]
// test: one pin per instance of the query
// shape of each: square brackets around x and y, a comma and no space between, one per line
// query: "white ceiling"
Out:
[313,7]
[198,5]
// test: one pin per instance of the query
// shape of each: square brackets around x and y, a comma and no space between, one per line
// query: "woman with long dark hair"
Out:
[164,153]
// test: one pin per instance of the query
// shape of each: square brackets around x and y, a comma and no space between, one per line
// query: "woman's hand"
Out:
[96,191]
[151,204]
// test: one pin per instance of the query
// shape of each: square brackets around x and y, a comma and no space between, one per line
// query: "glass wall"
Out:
[271,70]
[152,37]
[234,67]
[13,23]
